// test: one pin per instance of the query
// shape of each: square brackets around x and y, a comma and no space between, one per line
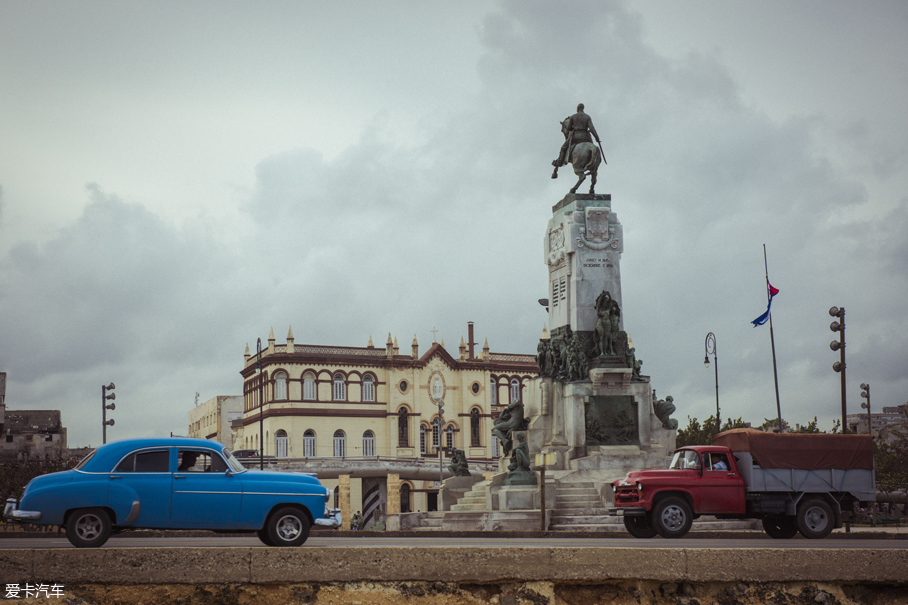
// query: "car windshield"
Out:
[685,459]
[85,460]
[235,465]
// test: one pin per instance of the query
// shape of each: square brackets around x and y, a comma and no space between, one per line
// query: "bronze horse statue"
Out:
[585,158]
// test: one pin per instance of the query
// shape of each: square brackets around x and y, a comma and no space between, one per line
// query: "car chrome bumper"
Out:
[332,518]
[12,513]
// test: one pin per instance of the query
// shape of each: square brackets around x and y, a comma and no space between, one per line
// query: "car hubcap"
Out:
[288,528]
[672,517]
[88,527]
[816,519]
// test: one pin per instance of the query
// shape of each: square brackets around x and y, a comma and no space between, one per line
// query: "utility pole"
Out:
[839,366]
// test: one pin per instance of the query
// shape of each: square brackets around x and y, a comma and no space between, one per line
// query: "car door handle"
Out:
[732,475]
[115,477]
[179,476]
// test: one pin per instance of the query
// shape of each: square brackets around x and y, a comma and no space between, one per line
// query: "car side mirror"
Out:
[228,473]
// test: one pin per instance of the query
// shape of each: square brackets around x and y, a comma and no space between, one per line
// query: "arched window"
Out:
[493,391]
[515,390]
[474,427]
[405,498]
[368,388]
[337,495]
[403,437]
[449,442]
[280,386]
[436,433]
[495,452]
[422,439]
[340,388]
[281,443]
[309,444]
[368,443]
[309,386]
[340,444]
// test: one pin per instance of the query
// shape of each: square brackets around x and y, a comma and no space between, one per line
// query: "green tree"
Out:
[810,427]
[891,462]
[697,434]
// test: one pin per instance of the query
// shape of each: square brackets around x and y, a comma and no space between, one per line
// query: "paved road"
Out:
[448,542]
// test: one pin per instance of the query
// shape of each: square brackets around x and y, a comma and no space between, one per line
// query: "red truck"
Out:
[792,482]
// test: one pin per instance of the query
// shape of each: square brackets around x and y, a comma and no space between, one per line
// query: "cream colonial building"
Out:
[367,412]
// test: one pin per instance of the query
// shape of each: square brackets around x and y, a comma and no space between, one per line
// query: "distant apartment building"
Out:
[212,419]
[890,418]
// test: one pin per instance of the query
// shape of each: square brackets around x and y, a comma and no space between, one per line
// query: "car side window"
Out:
[145,462]
[190,461]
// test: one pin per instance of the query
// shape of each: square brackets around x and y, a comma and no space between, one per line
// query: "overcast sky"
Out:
[177,178]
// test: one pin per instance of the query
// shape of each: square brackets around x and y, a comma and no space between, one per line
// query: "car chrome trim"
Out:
[244,493]
[133,512]
[25,515]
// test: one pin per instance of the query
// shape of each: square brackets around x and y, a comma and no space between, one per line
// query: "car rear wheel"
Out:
[780,528]
[815,519]
[672,517]
[287,527]
[639,527]
[88,527]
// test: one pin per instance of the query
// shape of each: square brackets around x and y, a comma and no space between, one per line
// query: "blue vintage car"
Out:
[173,483]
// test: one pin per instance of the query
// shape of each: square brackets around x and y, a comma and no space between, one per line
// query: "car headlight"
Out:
[614,488]
[639,487]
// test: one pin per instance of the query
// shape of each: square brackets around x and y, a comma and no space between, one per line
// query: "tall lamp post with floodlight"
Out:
[839,345]
[107,393]
[711,349]
[865,394]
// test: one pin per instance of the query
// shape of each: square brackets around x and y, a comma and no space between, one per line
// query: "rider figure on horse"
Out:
[577,129]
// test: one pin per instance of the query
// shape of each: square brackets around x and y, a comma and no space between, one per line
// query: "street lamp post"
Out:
[711,348]
[441,435]
[258,365]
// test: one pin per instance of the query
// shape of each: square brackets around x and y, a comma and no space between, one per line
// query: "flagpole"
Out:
[772,340]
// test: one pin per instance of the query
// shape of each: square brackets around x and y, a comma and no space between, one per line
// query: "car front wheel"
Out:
[672,517]
[88,527]
[287,527]
[639,527]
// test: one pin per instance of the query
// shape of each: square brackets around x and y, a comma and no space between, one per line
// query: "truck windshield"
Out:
[685,459]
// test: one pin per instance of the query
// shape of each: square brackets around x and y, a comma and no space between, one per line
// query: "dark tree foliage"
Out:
[15,475]
[891,462]
[697,434]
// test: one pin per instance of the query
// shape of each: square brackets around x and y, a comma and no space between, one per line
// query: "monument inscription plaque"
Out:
[611,420]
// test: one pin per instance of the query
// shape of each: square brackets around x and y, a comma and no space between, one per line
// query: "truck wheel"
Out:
[780,528]
[672,518]
[88,527]
[639,527]
[815,519]
[287,527]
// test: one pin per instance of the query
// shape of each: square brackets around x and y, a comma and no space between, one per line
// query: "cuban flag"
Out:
[765,317]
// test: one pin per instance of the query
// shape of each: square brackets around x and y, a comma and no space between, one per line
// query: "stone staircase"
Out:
[579,508]
[431,522]
[475,499]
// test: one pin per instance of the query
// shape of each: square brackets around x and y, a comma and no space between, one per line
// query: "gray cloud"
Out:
[399,234]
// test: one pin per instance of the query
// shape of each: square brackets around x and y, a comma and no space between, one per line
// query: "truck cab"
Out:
[699,480]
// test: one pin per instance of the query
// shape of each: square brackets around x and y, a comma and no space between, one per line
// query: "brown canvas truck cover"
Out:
[809,451]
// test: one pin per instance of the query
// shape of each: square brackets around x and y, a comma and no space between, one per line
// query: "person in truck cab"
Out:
[719,463]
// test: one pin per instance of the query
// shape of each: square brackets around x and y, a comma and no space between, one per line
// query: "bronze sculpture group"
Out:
[565,356]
